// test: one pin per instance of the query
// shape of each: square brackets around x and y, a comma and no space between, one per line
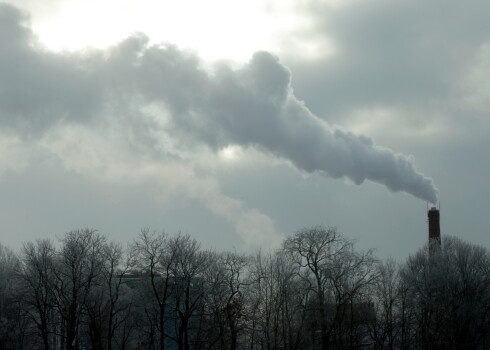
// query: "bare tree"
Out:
[277,300]
[234,265]
[350,276]
[155,259]
[188,270]
[109,301]
[313,251]
[12,320]
[78,263]
[448,294]
[317,292]
[225,307]
[336,275]
[37,273]
[214,328]
[119,302]
[386,298]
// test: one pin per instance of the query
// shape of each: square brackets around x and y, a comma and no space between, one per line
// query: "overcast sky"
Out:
[240,122]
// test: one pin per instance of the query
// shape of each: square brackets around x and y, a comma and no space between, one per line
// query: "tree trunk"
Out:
[162,327]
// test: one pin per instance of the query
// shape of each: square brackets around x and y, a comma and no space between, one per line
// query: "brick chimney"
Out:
[434,230]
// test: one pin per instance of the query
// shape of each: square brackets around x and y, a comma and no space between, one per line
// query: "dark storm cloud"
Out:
[250,106]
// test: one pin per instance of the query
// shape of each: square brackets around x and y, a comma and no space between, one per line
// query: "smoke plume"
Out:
[251,106]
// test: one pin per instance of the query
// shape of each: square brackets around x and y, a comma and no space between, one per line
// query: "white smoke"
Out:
[255,106]
[251,106]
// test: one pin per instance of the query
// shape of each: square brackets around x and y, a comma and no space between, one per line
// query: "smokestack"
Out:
[434,230]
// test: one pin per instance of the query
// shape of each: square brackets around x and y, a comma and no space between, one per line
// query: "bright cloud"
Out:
[217,29]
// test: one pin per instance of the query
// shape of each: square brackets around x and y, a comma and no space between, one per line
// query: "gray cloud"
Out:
[39,88]
[250,106]
[402,54]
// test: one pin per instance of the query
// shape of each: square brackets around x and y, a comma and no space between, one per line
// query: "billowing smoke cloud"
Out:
[252,106]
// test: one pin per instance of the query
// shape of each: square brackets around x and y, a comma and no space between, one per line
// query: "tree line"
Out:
[165,292]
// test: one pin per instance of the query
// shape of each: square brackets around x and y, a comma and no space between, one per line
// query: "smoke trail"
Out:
[250,106]
[255,106]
